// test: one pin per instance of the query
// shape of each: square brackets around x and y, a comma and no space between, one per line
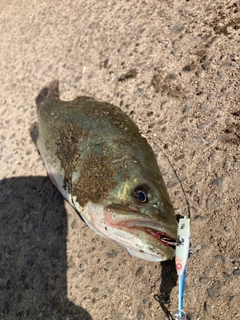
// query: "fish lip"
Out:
[140,221]
[156,231]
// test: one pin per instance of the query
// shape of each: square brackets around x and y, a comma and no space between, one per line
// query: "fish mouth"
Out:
[162,237]
[122,217]
[155,231]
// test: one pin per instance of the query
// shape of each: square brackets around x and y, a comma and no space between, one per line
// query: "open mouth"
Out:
[169,242]
[152,229]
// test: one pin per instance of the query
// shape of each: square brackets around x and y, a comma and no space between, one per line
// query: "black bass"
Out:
[105,168]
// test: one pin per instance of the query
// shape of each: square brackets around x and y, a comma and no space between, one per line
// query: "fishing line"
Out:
[182,246]
[175,173]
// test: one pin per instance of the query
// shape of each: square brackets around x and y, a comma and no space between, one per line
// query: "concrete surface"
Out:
[184,97]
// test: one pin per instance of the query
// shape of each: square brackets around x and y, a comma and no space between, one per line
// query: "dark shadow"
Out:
[33,262]
[168,282]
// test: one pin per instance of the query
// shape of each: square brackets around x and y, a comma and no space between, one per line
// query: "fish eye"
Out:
[142,194]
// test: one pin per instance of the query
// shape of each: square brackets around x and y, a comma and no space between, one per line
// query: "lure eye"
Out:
[141,194]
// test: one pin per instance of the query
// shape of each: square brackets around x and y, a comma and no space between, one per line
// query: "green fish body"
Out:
[105,168]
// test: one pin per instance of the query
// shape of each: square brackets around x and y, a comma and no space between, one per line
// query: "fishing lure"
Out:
[182,252]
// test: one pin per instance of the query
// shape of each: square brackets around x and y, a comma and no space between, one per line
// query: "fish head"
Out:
[137,215]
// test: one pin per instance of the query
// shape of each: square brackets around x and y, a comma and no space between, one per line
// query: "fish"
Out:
[102,164]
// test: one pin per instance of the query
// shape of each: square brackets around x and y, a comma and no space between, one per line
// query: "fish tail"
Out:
[52,89]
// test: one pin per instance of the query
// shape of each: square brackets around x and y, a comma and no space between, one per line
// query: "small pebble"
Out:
[132,73]
[226,229]
[112,254]
[215,290]
[95,290]
[149,114]
[186,109]
[204,280]
[178,28]
[139,272]
[210,96]
[141,315]
[73,224]
[106,63]
[220,258]
[206,66]
[236,272]
[172,183]
[218,182]
[204,106]
[204,124]
[234,57]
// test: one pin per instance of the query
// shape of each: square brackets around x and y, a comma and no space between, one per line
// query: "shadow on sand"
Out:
[33,262]
[168,282]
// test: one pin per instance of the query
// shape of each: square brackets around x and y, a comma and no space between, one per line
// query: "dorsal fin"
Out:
[50,90]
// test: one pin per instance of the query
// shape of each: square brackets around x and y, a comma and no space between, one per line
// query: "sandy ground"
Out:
[184,97]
